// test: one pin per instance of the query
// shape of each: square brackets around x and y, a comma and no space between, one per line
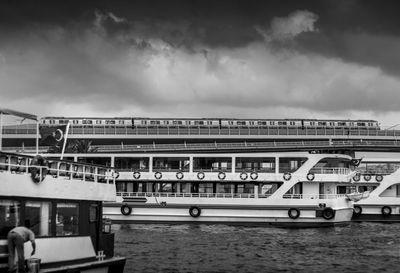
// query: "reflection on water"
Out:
[358,247]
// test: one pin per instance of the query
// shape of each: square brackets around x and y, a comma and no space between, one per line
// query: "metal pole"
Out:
[37,137]
[65,141]
[1,130]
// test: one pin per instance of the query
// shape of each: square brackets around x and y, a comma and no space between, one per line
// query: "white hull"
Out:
[263,211]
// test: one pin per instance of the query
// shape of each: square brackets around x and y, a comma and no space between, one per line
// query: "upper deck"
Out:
[26,176]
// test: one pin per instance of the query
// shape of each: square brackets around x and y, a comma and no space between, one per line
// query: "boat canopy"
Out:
[6,111]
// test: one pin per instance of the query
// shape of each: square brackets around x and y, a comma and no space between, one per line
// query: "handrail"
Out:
[226,195]
[334,144]
[57,168]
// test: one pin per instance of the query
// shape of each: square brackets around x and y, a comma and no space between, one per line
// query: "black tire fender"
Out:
[126,209]
[194,211]
[294,213]
[328,213]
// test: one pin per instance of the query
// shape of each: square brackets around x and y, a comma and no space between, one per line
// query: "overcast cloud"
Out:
[105,61]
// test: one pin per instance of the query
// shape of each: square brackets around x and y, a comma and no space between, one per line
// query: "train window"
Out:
[282,123]
[230,122]
[110,121]
[262,123]
[331,124]
[187,122]
[252,123]
[75,121]
[360,123]
[341,123]
[272,123]
[121,121]
[292,123]
[241,122]
[209,122]
[98,121]
[143,122]
[62,121]
[321,123]
[87,121]
[154,122]
[351,123]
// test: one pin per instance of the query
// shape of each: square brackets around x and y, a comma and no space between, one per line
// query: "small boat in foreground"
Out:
[61,202]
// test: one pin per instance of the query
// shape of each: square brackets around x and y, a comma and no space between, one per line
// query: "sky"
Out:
[326,59]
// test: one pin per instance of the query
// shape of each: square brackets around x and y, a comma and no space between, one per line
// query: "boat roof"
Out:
[6,111]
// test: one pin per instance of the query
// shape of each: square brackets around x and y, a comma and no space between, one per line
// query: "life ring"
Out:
[37,163]
[357,210]
[367,177]
[254,175]
[179,175]
[243,176]
[328,213]
[287,176]
[201,175]
[194,211]
[221,175]
[310,176]
[379,178]
[357,177]
[136,175]
[126,210]
[294,213]
[386,211]
[158,175]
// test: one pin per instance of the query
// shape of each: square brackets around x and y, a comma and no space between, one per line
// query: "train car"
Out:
[210,122]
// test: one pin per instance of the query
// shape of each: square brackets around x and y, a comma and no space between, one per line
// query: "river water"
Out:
[357,247]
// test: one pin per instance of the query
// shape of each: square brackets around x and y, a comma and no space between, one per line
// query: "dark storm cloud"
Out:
[200,58]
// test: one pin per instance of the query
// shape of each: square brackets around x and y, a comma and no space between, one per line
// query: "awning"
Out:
[5,111]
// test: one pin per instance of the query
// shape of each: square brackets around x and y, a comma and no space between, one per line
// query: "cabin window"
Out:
[67,219]
[38,217]
[9,216]
[290,164]
[93,213]
[223,188]
[206,188]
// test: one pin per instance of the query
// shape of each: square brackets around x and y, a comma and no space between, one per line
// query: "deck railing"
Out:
[56,168]
[226,195]
[272,145]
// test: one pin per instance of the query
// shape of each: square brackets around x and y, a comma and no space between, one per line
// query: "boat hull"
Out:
[240,212]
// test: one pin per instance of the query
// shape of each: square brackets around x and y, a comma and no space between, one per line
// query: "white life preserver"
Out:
[201,175]
[254,175]
[243,175]
[287,176]
[158,175]
[221,175]
[136,175]
[310,176]
[179,175]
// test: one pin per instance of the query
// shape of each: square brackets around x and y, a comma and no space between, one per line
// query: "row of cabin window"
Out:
[240,123]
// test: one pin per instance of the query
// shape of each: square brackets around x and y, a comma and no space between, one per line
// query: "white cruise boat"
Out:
[62,203]
[283,189]
[379,180]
